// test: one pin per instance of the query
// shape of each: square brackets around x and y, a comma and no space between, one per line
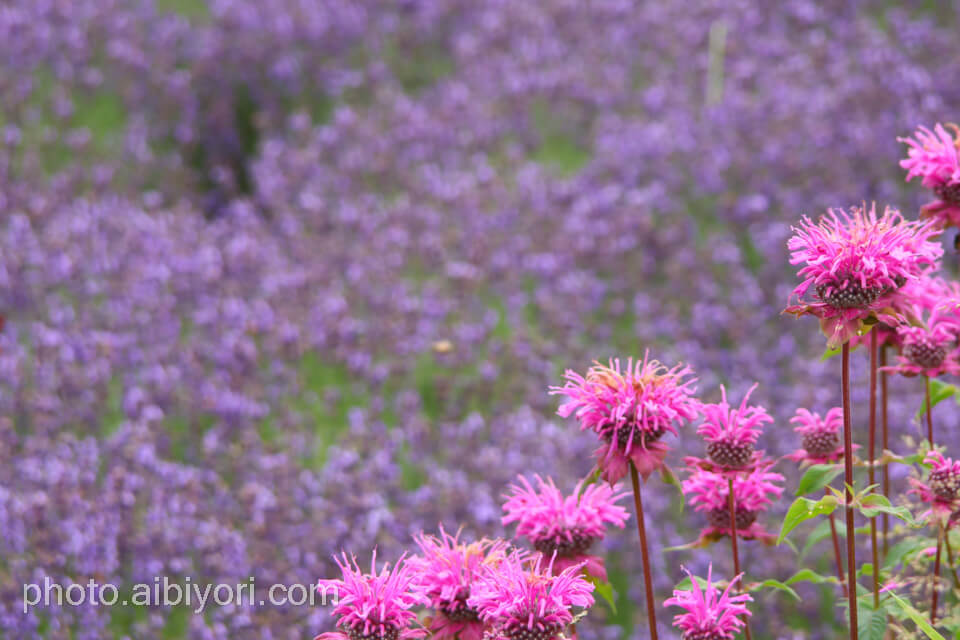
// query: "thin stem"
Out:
[953,567]
[848,482]
[934,583]
[836,547]
[929,412]
[872,445]
[733,542]
[642,531]
[885,444]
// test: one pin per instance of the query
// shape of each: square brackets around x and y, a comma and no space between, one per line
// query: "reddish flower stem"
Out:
[836,547]
[885,444]
[934,583]
[953,567]
[642,531]
[848,482]
[872,446]
[731,504]
[929,412]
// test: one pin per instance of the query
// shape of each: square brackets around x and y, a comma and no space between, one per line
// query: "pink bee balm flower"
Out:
[752,493]
[732,433]
[630,410]
[374,606]
[928,351]
[934,156]
[565,525]
[521,600]
[710,614]
[821,436]
[447,568]
[855,262]
[942,488]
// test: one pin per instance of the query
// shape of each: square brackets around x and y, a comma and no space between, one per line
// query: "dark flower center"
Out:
[924,354]
[458,611]
[577,545]
[949,193]
[731,455]
[641,437]
[851,296]
[520,632]
[945,483]
[390,633]
[720,517]
[821,443]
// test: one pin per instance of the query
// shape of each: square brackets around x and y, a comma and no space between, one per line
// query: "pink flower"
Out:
[630,410]
[928,351]
[752,493]
[518,598]
[934,157]
[447,568]
[732,433]
[856,262]
[942,488]
[821,436]
[565,525]
[374,605]
[710,614]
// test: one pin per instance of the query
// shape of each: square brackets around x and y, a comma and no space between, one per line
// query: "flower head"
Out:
[630,410]
[522,600]
[821,436]
[375,605]
[942,488]
[934,156]
[752,493]
[732,433]
[710,614]
[929,351]
[565,525]
[447,568]
[855,262]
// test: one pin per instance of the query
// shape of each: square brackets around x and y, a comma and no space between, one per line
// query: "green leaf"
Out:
[939,391]
[817,477]
[808,575]
[866,569]
[873,624]
[775,584]
[605,591]
[875,504]
[686,584]
[829,353]
[916,616]
[804,509]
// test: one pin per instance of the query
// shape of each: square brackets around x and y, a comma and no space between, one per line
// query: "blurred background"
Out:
[285,277]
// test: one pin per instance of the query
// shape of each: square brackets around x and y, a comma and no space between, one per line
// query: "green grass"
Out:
[559,149]
[196,10]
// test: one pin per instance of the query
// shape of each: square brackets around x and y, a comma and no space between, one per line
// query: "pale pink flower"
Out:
[520,599]
[447,568]
[822,436]
[942,489]
[375,605]
[732,433]
[710,613]
[752,493]
[565,525]
[630,410]
[855,263]
[934,156]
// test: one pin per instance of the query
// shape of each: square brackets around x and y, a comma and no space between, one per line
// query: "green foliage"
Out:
[817,477]
[605,591]
[907,609]
[939,391]
[874,504]
[804,509]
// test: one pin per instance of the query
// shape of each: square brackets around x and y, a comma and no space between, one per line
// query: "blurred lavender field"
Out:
[285,277]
